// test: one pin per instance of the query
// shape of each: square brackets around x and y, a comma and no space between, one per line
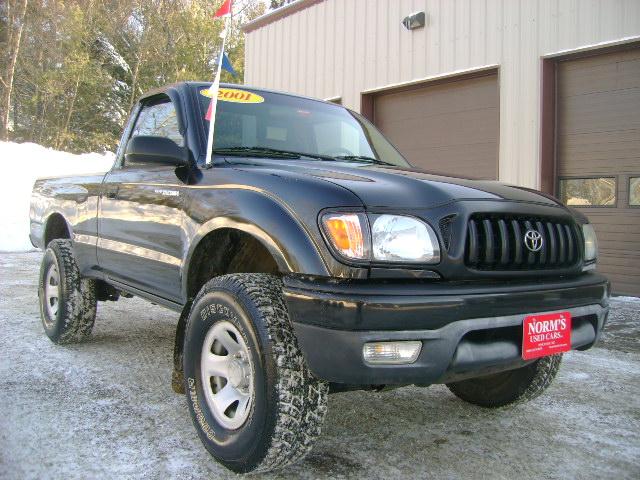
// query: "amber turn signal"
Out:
[346,232]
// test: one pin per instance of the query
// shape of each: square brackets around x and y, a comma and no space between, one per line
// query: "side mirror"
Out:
[157,150]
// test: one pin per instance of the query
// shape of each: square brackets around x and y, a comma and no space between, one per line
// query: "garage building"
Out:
[539,93]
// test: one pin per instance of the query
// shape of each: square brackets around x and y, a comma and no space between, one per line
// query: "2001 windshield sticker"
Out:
[234,95]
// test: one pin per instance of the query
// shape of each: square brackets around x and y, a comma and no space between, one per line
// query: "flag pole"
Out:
[213,92]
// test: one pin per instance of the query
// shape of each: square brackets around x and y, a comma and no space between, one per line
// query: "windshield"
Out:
[249,118]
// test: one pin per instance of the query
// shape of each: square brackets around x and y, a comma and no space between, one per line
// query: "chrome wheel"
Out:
[52,293]
[227,375]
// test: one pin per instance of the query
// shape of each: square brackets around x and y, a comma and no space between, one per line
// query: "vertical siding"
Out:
[432,37]
[344,47]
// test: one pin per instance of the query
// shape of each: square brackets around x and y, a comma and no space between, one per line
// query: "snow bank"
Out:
[22,164]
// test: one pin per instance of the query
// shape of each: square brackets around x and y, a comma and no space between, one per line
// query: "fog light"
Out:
[391,353]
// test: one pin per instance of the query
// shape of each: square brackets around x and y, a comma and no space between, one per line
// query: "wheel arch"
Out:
[56,227]
[291,248]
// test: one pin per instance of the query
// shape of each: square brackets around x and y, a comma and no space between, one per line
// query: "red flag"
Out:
[225,9]
[209,111]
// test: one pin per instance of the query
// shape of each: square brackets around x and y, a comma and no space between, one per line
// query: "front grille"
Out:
[497,242]
[445,230]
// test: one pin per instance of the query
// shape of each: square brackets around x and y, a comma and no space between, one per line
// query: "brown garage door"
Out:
[598,156]
[449,128]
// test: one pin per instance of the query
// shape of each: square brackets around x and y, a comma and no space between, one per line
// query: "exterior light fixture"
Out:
[414,21]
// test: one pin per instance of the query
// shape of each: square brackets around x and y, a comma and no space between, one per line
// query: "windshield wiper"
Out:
[290,154]
[269,152]
[256,151]
[363,158]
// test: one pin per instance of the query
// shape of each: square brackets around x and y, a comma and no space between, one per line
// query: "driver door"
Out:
[141,217]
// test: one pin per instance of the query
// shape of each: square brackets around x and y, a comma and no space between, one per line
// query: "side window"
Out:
[158,119]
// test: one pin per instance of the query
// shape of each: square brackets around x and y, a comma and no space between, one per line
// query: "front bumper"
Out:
[466,329]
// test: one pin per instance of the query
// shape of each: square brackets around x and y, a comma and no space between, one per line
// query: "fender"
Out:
[76,201]
[73,201]
[69,199]
[273,225]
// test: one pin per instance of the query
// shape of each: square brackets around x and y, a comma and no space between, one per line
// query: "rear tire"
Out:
[511,387]
[67,300]
[239,344]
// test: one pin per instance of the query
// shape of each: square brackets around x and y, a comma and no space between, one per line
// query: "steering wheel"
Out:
[338,152]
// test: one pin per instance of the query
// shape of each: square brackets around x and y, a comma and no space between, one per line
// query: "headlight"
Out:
[391,238]
[590,243]
[403,239]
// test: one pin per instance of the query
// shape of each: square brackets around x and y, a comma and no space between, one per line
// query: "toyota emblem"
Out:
[533,240]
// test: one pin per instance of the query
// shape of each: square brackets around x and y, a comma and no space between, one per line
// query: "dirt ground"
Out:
[105,409]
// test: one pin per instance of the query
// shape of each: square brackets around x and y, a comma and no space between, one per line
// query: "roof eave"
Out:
[278,13]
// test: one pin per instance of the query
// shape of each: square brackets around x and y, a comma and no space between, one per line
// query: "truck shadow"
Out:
[409,432]
[362,430]
[406,430]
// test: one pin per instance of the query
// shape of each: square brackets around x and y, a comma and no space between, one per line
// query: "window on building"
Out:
[634,191]
[588,192]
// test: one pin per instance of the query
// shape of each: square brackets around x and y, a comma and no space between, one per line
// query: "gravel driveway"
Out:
[105,409]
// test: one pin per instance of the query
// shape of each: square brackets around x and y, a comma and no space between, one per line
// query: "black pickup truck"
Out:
[309,257]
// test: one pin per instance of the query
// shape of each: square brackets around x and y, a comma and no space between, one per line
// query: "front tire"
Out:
[511,387]
[254,402]
[67,300]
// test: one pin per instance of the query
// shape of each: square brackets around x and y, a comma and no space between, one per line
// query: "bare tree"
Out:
[82,63]
[279,3]
[15,23]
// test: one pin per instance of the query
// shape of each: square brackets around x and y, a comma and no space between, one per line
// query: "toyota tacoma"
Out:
[309,257]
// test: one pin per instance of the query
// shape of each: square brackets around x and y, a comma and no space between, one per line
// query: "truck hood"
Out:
[396,187]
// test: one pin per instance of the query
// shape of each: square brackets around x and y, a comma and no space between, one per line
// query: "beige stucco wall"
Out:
[340,48]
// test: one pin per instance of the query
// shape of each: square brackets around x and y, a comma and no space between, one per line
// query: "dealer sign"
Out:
[546,334]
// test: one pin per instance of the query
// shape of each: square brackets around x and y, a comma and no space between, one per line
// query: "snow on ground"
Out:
[25,162]
[105,409]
